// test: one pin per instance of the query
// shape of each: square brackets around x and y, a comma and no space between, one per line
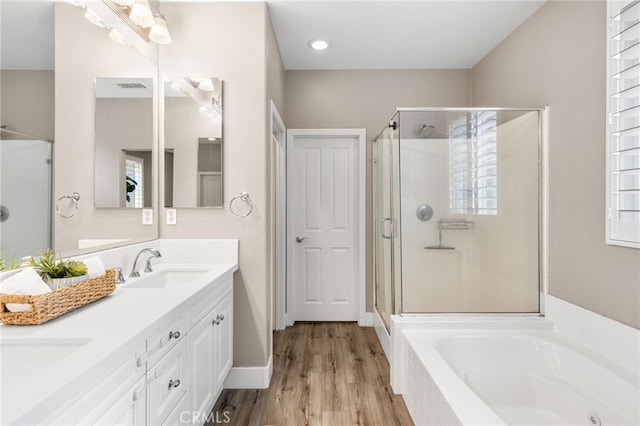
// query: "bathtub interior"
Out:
[512,377]
[540,378]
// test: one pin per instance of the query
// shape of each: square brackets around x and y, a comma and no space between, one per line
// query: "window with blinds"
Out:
[623,142]
[473,164]
[134,172]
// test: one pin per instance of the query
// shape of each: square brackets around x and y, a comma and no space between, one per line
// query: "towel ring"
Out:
[244,197]
[74,197]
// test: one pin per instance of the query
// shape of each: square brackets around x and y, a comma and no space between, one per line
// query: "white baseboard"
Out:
[249,377]
[366,320]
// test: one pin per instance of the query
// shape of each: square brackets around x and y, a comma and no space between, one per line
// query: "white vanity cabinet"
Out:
[224,339]
[210,349]
[167,384]
[118,391]
[170,372]
[129,410]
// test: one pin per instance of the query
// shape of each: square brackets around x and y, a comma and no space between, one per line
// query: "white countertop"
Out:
[94,333]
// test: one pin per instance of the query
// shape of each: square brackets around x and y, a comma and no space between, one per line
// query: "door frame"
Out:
[361,135]
[279,141]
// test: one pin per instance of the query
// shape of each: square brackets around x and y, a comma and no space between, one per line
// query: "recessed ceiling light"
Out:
[318,44]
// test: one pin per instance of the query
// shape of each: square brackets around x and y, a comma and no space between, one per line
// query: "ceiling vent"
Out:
[131,85]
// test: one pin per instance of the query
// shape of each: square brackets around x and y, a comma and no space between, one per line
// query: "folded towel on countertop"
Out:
[95,267]
[27,282]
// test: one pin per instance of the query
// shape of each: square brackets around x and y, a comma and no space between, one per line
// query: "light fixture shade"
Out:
[118,38]
[159,32]
[206,85]
[141,14]
[92,17]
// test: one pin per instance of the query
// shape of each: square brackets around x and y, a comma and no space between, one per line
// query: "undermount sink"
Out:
[167,278]
[37,354]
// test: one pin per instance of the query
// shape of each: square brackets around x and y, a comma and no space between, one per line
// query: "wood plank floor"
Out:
[323,374]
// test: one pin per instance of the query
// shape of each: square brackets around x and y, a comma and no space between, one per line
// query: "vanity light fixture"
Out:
[148,23]
[92,17]
[318,44]
[159,32]
[141,14]
[118,38]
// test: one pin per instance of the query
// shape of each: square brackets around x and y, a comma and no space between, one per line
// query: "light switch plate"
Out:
[172,217]
[147,216]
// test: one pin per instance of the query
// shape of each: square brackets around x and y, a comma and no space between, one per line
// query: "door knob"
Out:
[300,239]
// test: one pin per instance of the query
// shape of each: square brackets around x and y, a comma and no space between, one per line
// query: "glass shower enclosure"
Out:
[457,211]
[25,197]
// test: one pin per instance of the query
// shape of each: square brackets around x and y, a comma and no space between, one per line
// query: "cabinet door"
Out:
[224,340]
[167,383]
[180,416]
[129,410]
[201,357]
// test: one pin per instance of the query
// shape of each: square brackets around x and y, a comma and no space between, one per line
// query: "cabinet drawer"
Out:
[209,300]
[167,383]
[163,341]
[103,393]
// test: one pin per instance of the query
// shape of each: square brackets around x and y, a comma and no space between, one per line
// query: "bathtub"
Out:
[511,377]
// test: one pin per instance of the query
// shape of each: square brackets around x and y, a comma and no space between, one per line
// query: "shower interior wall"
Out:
[494,267]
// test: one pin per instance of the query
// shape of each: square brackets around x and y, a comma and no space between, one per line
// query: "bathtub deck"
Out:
[323,374]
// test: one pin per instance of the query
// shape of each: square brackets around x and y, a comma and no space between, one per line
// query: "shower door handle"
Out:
[387,237]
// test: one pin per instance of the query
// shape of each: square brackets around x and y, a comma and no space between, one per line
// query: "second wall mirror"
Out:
[124,142]
[193,145]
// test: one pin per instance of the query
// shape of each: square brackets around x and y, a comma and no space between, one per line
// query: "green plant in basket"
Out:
[49,268]
[6,264]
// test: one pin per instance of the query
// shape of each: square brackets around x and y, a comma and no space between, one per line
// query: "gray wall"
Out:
[83,52]
[546,61]
[227,40]
[366,99]
[26,104]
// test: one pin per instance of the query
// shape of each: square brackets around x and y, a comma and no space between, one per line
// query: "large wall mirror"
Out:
[193,156]
[27,127]
[106,117]
[123,143]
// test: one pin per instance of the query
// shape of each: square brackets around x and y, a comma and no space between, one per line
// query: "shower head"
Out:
[425,130]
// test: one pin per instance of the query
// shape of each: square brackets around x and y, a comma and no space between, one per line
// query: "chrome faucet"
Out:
[154,253]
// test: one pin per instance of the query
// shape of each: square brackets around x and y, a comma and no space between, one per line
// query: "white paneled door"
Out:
[325,253]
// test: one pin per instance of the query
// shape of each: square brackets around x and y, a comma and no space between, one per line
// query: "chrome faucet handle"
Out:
[147,267]
[119,276]
[154,253]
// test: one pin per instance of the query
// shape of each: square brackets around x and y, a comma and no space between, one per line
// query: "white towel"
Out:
[95,267]
[26,281]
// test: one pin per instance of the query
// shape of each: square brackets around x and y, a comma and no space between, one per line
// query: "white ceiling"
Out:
[394,34]
[373,34]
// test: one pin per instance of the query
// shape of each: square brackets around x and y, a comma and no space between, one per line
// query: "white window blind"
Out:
[134,169]
[473,164]
[623,144]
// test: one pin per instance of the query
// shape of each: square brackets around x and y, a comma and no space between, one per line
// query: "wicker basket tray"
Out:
[57,302]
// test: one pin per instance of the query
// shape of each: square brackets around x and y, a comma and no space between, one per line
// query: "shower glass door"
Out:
[25,198]
[387,300]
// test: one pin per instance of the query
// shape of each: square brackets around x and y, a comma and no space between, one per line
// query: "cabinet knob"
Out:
[220,317]
[174,335]
[174,383]
[216,321]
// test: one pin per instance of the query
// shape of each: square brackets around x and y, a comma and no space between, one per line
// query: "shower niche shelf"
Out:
[458,224]
[446,225]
